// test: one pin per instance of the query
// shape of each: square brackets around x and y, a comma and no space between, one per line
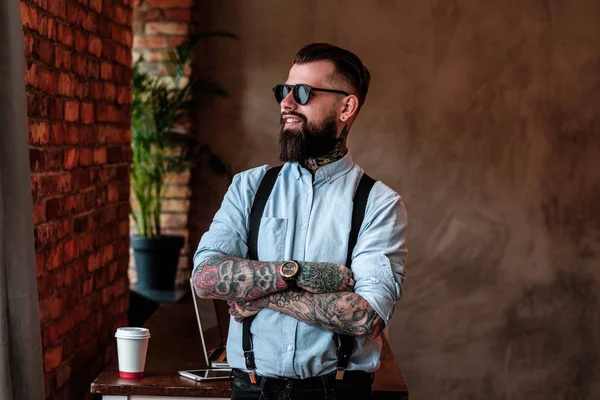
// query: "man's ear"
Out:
[349,108]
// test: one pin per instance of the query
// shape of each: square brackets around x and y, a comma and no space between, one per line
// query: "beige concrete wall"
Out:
[484,116]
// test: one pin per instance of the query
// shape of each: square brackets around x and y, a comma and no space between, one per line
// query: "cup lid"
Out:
[132,333]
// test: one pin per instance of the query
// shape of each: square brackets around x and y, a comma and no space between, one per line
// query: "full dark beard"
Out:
[311,141]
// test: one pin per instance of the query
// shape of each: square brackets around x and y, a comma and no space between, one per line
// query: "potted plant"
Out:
[161,147]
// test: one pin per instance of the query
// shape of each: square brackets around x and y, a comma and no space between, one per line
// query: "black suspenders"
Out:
[345,342]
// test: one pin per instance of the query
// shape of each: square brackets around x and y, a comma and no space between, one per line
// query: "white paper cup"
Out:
[132,345]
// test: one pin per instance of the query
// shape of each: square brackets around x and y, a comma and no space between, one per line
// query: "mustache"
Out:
[295,114]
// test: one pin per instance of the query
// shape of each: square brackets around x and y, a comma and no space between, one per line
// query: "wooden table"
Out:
[175,345]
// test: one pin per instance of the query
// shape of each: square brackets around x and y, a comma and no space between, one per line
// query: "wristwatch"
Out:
[289,271]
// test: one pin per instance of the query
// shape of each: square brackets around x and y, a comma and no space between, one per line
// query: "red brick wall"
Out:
[78,57]
[157,26]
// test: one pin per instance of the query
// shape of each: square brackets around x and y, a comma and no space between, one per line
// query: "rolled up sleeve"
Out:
[228,231]
[379,257]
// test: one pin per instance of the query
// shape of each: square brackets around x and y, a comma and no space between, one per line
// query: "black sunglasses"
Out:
[301,92]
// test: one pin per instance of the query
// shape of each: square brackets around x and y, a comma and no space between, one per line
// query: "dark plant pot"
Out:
[156,260]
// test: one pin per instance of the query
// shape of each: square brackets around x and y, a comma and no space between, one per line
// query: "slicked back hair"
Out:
[348,66]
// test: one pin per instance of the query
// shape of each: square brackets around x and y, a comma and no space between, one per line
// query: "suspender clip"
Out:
[252,375]
[339,375]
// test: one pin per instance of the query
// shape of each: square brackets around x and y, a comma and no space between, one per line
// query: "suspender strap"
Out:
[345,342]
[258,207]
[358,213]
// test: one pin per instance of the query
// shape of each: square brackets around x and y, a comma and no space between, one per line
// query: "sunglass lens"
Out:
[303,94]
[280,92]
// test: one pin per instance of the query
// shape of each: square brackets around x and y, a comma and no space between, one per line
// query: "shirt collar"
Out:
[331,171]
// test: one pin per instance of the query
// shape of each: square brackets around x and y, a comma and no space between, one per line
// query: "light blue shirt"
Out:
[306,220]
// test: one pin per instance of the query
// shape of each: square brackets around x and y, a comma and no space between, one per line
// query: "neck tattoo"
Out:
[339,151]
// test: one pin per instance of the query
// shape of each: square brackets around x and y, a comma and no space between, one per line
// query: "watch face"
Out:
[288,269]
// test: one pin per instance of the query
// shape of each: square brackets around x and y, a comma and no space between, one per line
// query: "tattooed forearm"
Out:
[325,277]
[345,313]
[237,279]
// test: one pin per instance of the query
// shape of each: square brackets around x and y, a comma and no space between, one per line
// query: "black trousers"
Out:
[355,385]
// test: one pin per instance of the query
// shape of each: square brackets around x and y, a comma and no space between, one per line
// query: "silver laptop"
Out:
[212,344]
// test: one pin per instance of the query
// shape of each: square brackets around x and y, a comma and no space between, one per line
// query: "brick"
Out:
[176,205]
[65,227]
[152,15]
[54,258]
[125,95]
[58,133]
[52,159]
[29,41]
[169,3]
[58,8]
[123,16]
[100,155]
[36,160]
[173,220]
[54,208]
[71,250]
[38,133]
[90,22]
[96,5]
[166,28]
[173,191]
[87,113]
[175,41]
[45,284]
[93,69]
[56,107]
[150,42]
[64,34]
[86,156]
[42,25]
[106,71]
[81,41]
[123,56]
[63,374]
[74,14]
[54,306]
[37,104]
[80,64]
[47,80]
[70,158]
[44,235]
[110,91]
[71,111]
[44,49]
[62,58]
[29,17]
[88,286]
[39,212]
[95,46]
[51,29]
[121,35]
[52,358]
[65,85]
[178,15]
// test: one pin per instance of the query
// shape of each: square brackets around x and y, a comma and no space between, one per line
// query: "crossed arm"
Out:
[326,299]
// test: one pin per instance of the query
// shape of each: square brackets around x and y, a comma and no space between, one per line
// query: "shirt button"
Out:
[329,178]
[290,348]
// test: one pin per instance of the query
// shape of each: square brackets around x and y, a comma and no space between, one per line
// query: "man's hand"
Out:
[325,278]
[244,309]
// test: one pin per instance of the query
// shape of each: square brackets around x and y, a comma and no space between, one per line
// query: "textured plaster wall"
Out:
[485,117]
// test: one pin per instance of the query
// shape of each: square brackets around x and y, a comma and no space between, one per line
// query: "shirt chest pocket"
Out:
[271,239]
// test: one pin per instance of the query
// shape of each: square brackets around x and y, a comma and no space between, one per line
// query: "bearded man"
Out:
[280,248]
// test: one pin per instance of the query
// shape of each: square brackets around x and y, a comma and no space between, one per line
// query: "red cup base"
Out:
[131,375]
